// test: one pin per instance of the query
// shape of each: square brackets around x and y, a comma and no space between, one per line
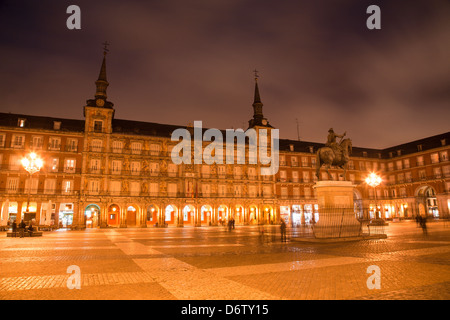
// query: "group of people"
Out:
[231,224]
[22,227]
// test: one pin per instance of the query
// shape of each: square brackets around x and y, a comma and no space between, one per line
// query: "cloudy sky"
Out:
[179,61]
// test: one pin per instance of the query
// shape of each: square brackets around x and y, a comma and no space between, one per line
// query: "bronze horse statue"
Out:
[337,157]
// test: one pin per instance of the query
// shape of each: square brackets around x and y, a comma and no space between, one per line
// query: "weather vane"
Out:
[105,48]
[256,73]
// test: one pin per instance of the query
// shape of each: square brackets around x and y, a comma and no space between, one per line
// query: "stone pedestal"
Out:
[336,210]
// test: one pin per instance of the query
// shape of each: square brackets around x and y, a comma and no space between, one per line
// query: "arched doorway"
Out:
[253,215]
[267,215]
[188,215]
[92,215]
[152,214]
[239,214]
[170,214]
[426,196]
[206,214]
[222,215]
[131,216]
[113,215]
[357,204]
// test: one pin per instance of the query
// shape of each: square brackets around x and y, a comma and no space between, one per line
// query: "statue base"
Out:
[336,210]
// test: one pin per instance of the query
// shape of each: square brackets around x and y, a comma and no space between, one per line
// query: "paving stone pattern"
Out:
[212,263]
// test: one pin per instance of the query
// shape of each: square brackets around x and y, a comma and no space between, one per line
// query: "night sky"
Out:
[176,62]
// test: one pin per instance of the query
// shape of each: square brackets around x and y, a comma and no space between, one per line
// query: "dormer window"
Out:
[419,147]
[56,125]
[21,122]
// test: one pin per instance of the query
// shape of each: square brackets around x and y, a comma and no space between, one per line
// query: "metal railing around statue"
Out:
[335,222]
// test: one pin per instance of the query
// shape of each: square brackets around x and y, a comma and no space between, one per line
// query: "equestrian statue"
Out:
[334,153]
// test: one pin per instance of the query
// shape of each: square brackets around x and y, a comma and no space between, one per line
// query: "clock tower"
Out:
[258,117]
[99,112]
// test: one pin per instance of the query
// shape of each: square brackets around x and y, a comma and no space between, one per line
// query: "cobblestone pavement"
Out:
[216,264]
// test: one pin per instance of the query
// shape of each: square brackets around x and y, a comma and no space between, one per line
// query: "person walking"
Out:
[22,228]
[14,227]
[283,231]
[423,224]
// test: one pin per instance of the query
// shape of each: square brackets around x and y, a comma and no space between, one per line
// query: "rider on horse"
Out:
[331,142]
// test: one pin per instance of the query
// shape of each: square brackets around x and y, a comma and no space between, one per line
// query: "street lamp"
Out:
[374,181]
[32,164]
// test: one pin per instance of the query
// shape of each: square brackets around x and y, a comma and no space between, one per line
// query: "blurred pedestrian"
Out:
[22,228]
[423,224]
[14,226]
[30,229]
[283,231]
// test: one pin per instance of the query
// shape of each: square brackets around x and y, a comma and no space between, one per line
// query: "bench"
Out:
[25,234]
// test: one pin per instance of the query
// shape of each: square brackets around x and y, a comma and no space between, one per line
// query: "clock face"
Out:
[100,102]
[264,122]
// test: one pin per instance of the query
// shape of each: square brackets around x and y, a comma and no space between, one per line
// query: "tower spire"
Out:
[101,83]
[258,117]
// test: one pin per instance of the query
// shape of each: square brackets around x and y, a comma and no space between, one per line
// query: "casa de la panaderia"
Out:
[108,172]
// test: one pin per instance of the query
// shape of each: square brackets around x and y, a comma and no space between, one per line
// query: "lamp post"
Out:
[32,164]
[374,181]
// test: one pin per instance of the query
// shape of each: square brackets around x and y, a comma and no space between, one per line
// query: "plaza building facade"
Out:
[108,172]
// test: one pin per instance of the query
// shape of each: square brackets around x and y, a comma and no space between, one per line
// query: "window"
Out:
[446,171]
[135,167]
[296,192]
[154,168]
[408,176]
[56,125]
[284,192]
[53,165]
[238,190]
[406,163]
[17,141]
[391,166]
[283,176]
[392,179]
[14,162]
[2,140]
[31,186]
[116,166]
[294,162]
[12,185]
[94,186]
[54,143]
[155,149]
[252,191]
[419,147]
[69,165]
[72,145]
[305,161]
[444,156]
[172,170]
[49,186]
[237,172]
[67,186]
[36,142]
[305,176]
[362,166]
[422,175]
[401,178]
[251,173]
[96,145]
[282,161]
[420,161]
[294,176]
[206,189]
[222,190]
[95,165]
[136,147]
[221,171]
[351,165]
[98,126]
[437,172]
[21,122]
[434,157]
[117,146]
[399,165]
